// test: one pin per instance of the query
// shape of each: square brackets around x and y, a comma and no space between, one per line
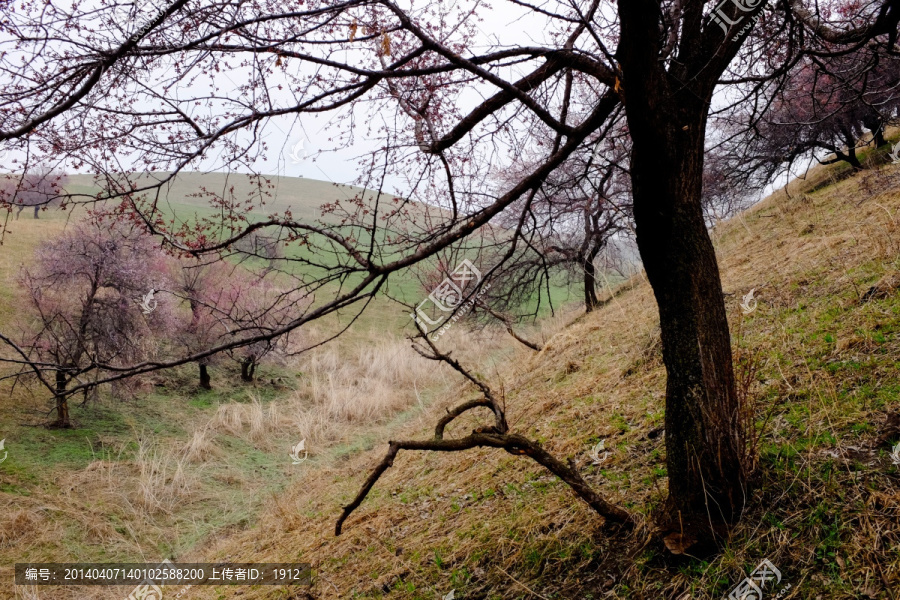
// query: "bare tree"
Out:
[450,115]
[225,303]
[39,188]
[590,212]
[257,307]
[201,285]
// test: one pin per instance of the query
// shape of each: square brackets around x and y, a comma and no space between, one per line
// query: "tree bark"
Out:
[704,435]
[204,378]
[705,442]
[874,124]
[62,401]
[850,140]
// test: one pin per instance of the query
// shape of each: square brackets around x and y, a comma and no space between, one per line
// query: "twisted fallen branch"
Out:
[493,436]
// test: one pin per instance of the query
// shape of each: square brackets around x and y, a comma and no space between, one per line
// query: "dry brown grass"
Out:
[164,479]
[491,525]
[347,389]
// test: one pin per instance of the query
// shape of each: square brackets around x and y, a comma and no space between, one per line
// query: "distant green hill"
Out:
[187,198]
[190,192]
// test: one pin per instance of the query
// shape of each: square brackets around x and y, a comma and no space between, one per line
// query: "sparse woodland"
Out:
[729,356]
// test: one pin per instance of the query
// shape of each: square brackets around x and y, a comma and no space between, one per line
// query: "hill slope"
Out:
[818,357]
[188,192]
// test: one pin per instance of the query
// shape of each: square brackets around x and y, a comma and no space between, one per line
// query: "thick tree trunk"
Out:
[874,124]
[204,378]
[36,209]
[705,442]
[851,157]
[62,402]
[590,280]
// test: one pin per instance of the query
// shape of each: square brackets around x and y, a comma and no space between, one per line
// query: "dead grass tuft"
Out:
[163,477]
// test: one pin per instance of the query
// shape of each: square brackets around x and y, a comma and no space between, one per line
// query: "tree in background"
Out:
[84,293]
[573,216]
[585,211]
[255,307]
[263,247]
[836,104]
[40,188]
[228,303]
[201,284]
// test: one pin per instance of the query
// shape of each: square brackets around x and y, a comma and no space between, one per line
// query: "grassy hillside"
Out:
[186,199]
[819,357]
[188,192]
[162,467]
[206,477]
